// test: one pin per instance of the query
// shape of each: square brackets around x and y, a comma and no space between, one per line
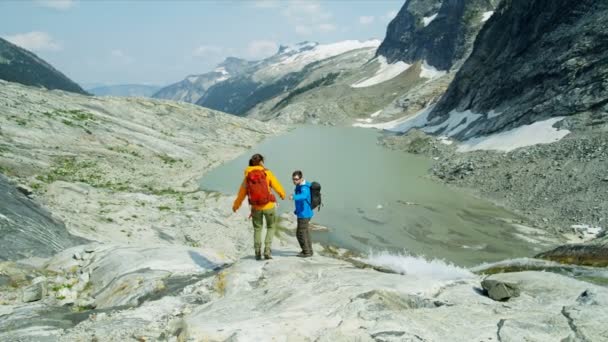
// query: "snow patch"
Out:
[456,123]
[221,70]
[404,124]
[433,269]
[429,71]
[368,120]
[541,132]
[376,114]
[323,51]
[486,16]
[192,79]
[427,20]
[445,140]
[385,73]
[588,232]
[493,114]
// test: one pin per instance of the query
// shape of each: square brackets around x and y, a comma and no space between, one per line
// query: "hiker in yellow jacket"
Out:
[256,186]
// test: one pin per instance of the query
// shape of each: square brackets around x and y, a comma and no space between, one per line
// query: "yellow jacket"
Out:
[273,183]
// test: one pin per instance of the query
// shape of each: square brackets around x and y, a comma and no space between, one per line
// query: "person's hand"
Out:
[234,209]
[291,197]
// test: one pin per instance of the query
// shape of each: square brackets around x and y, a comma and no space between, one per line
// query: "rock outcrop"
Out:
[193,87]
[532,60]
[125,169]
[593,253]
[439,32]
[28,230]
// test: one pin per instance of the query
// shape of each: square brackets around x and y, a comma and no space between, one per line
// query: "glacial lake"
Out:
[375,199]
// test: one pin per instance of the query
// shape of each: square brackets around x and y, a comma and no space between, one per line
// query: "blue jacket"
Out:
[302,201]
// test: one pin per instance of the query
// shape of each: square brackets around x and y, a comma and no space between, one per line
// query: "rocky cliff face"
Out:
[28,230]
[440,32]
[21,66]
[531,61]
[194,86]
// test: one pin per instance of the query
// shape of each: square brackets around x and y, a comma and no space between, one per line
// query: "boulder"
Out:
[500,290]
[34,292]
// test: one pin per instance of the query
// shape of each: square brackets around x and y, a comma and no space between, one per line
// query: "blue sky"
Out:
[160,42]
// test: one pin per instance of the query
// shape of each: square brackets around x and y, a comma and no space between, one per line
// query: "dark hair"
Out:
[297,173]
[256,160]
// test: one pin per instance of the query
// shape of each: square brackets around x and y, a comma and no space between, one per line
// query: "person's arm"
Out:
[240,197]
[303,195]
[275,185]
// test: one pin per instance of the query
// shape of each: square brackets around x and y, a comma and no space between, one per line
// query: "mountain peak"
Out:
[22,66]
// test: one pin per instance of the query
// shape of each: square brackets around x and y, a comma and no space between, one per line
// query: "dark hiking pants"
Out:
[303,235]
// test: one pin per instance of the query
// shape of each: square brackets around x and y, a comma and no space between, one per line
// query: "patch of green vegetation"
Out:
[73,118]
[72,170]
[20,121]
[58,287]
[163,208]
[73,114]
[168,159]
[6,171]
[160,192]
[36,186]
[107,219]
[326,80]
[167,133]
[124,150]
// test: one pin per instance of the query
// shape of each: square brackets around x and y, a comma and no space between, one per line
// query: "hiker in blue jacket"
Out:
[304,213]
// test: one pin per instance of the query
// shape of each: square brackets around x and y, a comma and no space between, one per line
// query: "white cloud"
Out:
[261,48]
[327,27]
[308,17]
[120,56]
[35,41]
[366,19]
[390,15]
[206,50]
[57,4]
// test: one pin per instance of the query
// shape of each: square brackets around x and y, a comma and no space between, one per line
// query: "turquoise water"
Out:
[378,199]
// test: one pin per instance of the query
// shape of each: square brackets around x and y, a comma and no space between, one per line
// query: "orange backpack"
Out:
[258,190]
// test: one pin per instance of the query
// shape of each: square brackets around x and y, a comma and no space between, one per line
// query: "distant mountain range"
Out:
[22,66]
[130,90]
[194,86]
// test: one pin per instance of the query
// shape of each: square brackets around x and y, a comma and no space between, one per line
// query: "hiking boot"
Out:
[267,255]
[304,255]
[258,254]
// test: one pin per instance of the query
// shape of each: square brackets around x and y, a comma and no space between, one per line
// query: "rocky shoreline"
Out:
[565,185]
